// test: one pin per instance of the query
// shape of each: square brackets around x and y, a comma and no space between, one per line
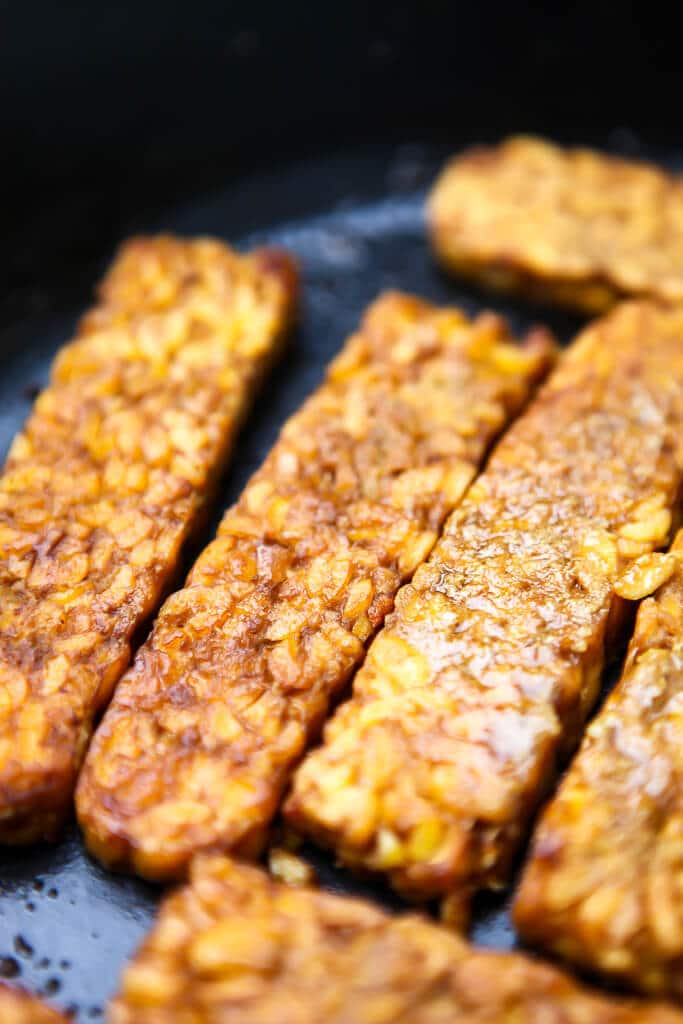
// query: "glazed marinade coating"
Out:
[604,882]
[103,486]
[234,946]
[481,679]
[242,663]
[18,1007]
[570,226]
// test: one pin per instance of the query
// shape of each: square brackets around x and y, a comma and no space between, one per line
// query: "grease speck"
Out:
[9,968]
[22,947]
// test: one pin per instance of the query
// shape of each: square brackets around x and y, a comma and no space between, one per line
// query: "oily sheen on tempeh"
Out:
[105,483]
[480,682]
[238,673]
[234,947]
[603,886]
[570,226]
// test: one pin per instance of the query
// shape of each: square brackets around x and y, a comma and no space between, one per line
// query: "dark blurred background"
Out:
[113,111]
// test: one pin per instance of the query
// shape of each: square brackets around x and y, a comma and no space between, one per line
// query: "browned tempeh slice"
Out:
[107,481]
[574,227]
[238,673]
[482,678]
[18,1007]
[604,883]
[234,946]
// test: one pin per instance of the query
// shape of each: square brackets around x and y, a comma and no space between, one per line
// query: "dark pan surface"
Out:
[66,925]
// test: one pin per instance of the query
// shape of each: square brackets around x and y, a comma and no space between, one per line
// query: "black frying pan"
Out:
[352,217]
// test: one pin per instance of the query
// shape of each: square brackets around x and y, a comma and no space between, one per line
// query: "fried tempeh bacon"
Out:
[241,666]
[235,946]
[480,681]
[18,1007]
[604,882]
[569,226]
[107,481]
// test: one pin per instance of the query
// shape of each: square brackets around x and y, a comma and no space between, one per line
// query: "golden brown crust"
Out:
[481,679]
[220,703]
[234,946]
[18,1007]
[105,483]
[572,227]
[603,884]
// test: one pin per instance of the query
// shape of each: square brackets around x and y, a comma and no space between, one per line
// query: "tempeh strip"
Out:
[482,678]
[241,666]
[18,1007]
[234,946]
[107,481]
[569,226]
[604,883]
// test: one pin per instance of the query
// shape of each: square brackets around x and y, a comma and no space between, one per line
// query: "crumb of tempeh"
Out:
[569,226]
[480,681]
[239,671]
[18,1007]
[235,947]
[604,883]
[107,481]
[290,868]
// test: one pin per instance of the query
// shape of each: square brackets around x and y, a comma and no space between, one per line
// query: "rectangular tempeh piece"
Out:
[604,883]
[481,679]
[234,946]
[238,673]
[570,226]
[18,1007]
[107,481]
